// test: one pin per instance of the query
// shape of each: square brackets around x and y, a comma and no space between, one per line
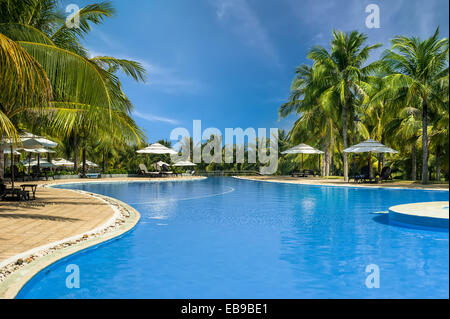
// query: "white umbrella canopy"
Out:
[37,150]
[161,163]
[42,163]
[37,140]
[29,141]
[302,149]
[157,148]
[26,143]
[8,151]
[184,164]
[62,163]
[370,146]
[91,164]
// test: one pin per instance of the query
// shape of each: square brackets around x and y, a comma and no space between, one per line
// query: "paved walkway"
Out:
[55,215]
[340,182]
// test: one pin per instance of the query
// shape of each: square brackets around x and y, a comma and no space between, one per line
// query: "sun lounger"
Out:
[297,174]
[17,175]
[164,170]
[386,174]
[16,195]
[364,175]
[36,173]
[144,172]
[309,172]
[304,173]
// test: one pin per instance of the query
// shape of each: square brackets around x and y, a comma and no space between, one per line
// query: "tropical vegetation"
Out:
[400,100]
[51,86]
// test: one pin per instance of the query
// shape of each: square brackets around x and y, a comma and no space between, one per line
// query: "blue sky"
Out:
[230,63]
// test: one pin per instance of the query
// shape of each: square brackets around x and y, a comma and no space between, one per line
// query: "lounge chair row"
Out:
[162,171]
[305,173]
[364,175]
[35,174]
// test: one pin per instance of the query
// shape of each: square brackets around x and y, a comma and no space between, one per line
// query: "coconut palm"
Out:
[419,65]
[345,73]
[87,96]
[328,91]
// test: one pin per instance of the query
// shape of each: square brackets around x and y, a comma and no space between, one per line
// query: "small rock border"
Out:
[125,213]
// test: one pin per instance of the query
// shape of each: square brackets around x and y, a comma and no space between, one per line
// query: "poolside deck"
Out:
[340,182]
[55,215]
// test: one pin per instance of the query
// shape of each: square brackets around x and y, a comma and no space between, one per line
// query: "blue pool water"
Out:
[228,238]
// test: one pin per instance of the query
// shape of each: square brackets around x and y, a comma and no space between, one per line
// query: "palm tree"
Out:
[420,66]
[344,70]
[87,96]
[24,86]
[439,137]
[328,90]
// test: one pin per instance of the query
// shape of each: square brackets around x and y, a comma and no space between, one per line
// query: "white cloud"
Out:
[169,81]
[238,16]
[160,78]
[155,118]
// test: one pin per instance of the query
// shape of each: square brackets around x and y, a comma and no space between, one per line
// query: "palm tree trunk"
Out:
[414,163]
[381,158]
[380,163]
[328,162]
[84,161]
[344,136]
[325,166]
[370,165]
[332,164]
[425,142]
[75,153]
[438,163]
[2,168]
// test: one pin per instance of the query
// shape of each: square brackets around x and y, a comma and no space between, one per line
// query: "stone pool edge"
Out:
[348,185]
[18,278]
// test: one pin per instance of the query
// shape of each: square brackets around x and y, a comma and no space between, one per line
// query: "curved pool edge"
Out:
[432,215]
[11,286]
[349,185]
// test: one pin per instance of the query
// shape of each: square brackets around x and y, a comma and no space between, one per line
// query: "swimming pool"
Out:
[229,238]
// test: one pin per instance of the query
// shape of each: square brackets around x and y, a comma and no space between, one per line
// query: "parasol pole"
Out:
[12,169]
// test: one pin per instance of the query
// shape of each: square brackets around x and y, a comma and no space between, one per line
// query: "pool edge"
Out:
[12,285]
[349,185]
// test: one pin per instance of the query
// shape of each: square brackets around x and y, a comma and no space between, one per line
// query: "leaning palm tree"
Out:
[87,93]
[419,66]
[24,86]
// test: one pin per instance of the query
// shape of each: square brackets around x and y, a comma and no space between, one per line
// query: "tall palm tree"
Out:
[328,91]
[345,69]
[419,65]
